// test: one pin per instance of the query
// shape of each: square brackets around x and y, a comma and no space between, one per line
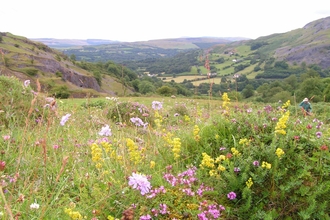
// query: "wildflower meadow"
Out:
[160,158]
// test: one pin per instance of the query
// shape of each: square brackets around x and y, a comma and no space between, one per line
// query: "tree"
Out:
[281,64]
[292,81]
[248,91]
[146,87]
[312,87]
[166,91]
[73,57]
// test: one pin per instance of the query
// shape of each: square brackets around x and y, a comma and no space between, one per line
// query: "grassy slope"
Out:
[23,55]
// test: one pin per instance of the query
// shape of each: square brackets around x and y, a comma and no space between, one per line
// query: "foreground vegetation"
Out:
[160,158]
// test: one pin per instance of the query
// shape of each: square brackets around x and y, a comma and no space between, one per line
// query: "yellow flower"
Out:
[75,215]
[249,183]
[220,158]
[225,101]
[221,168]
[217,136]
[281,124]
[266,165]
[286,105]
[176,147]
[244,141]
[133,151]
[196,133]
[213,172]
[207,161]
[235,152]
[279,152]
[152,164]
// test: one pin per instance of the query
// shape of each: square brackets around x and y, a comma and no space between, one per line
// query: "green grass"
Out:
[72,170]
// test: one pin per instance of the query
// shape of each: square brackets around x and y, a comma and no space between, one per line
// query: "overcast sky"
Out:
[139,20]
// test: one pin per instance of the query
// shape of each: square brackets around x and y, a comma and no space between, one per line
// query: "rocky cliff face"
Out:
[315,46]
[19,54]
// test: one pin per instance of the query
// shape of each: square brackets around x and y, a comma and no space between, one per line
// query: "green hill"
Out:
[56,72]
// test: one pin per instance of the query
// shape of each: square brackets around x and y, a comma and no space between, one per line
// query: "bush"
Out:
[31,71]
[97,104]
[16,103]
[123,111]
[61,92]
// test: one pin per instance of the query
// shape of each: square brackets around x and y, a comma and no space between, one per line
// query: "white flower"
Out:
[26,83]
[34,206]
[64,119]
[105,131]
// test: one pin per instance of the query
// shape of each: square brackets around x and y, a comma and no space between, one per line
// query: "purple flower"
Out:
[139,182]
[256,163]
[163,209]
[138,122]
[176,114]
[249,110]
[145,217]
[64,119]
[222,148]
[105,131]
[156,105]
[318,134]
[231,195]
[237,169]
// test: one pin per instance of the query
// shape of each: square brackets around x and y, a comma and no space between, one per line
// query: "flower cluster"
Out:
[249,183]
[138,122]
[235,151]
[207,161]
[225,101]
[279,152]
[281,124]
[286,105]
[133,151]
[176,147]
[139,182]
[266,165]
[97,155]
[158,119]
[156,105]
[196,133]
[231,195]
[211,211]
[74,215]
[105,131]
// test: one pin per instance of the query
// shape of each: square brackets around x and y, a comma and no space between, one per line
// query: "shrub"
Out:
[31,71]
[61,92]
[180,109]
[97,104]
[16,102]
[124,111]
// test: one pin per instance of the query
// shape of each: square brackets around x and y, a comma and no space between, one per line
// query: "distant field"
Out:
[180,79]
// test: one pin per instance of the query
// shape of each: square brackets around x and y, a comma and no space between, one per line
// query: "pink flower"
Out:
[6,137]
[2,165]
[55,146]
[231,195]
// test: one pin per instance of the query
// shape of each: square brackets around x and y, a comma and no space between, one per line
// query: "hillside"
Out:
[309,45]
[135,51]
[30,60]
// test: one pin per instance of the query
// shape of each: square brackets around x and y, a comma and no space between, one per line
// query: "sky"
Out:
[142,20]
